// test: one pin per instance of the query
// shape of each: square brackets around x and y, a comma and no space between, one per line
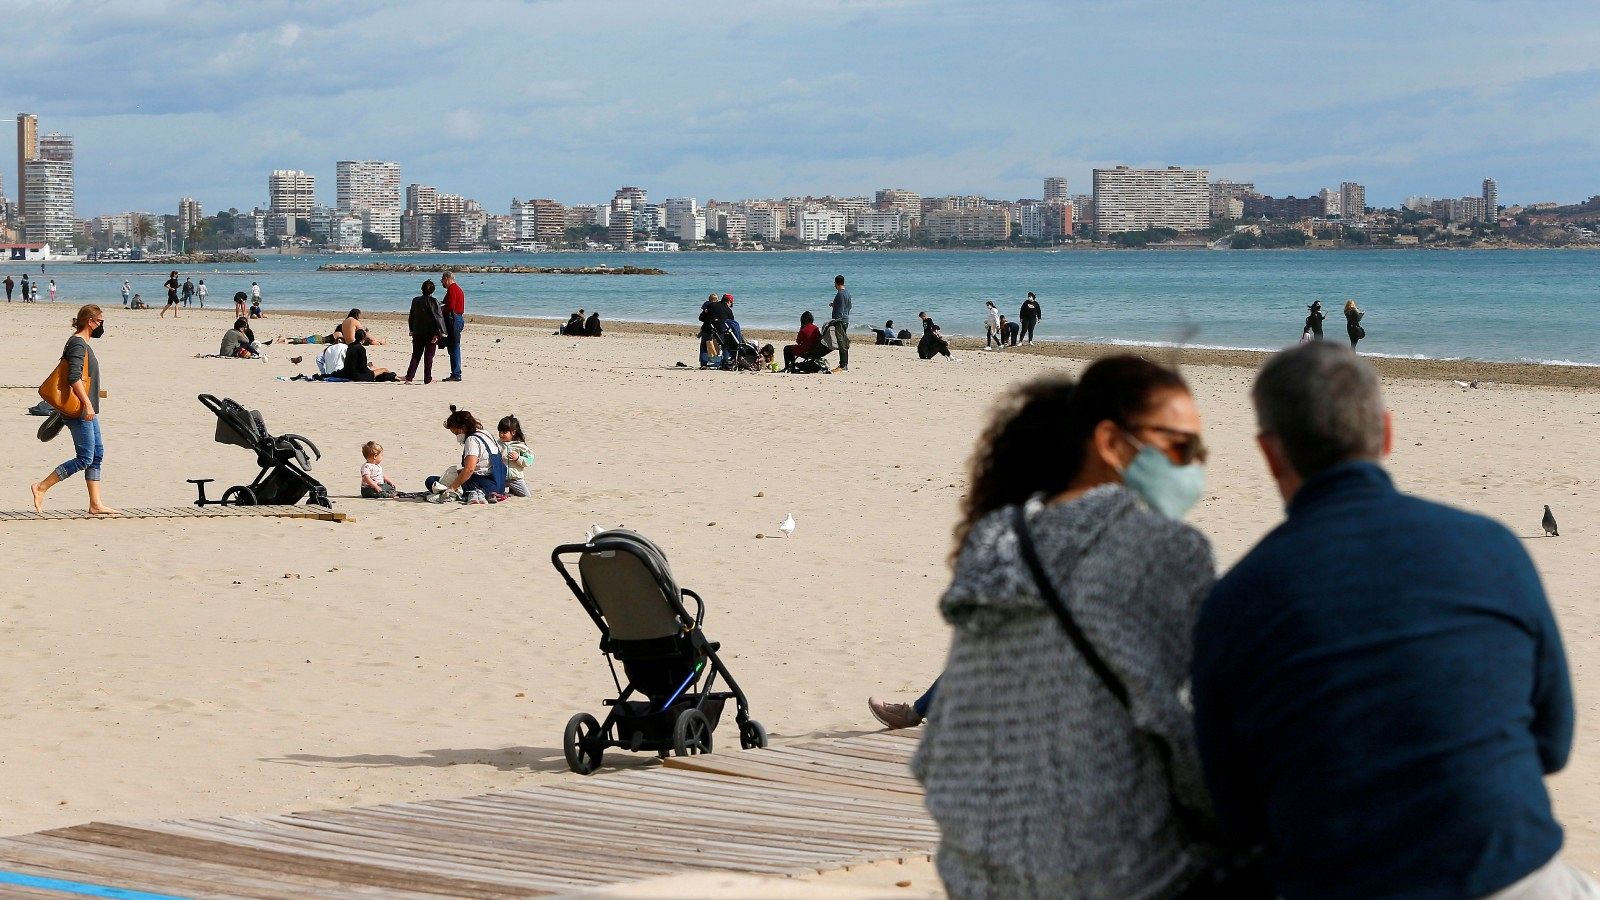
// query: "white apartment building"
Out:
[1352,200]
[347,231]
[422,199]
[1128,199]
[252,226]
[691,225]
[189,215]
[1223,193]
[384,223]
[1491,200]
[734,225]
[972,225]
[1031,220]
[368,184]
[814,226]
[291,192]
[1056,189]
[324,222]
[882,223]
[675,209]
[51,217]
[1331,202]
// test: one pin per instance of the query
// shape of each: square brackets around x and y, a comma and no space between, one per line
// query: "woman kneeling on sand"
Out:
[85,429]
[1059,759]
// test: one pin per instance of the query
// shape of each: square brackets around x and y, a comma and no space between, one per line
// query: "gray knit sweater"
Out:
[1042,783]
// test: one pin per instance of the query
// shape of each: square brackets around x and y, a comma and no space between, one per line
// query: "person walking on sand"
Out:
[993,337]
[188,292]
[27,289]
[840,322]
[52,290]
[171,284]
[1029,315]
[1059,757]
[1352,323]
[85,429]
[127,294]
[1383,728]
[426,322]
[200,293]
[10,284]
[455,321]
[1314,320]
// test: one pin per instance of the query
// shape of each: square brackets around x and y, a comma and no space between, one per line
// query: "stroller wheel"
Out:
[691,734]
[582,744]
[238,495]
[752,735]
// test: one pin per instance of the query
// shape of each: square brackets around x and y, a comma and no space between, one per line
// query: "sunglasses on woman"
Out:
[1183,447]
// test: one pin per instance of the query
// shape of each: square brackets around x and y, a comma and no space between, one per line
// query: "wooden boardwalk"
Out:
[801,808]
[321,513]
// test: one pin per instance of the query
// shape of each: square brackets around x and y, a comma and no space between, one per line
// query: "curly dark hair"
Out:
[1036,442]
[460,418]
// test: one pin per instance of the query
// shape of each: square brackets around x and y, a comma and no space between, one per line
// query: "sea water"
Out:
[1510,305]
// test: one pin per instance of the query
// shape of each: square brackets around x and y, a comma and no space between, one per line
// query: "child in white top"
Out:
[373,483]
[514,449]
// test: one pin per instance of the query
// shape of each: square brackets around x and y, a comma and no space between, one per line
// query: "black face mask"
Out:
[99,331]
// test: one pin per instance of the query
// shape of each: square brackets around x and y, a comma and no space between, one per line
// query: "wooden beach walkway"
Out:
[801,808]
[320,513]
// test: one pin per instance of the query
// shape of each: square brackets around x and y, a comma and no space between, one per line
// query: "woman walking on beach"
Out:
[85,429]
[1030,314]
[1059,759]
[427,329]
[993,337]
[1352,322]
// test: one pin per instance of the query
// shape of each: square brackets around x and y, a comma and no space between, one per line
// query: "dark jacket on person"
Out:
[1379,690]
[1352,323]
[1314,322]
[78,354]
[1031,311]
[426,319]
[574,326]
[712,314]
[356,367]
[932,343]
[591,328]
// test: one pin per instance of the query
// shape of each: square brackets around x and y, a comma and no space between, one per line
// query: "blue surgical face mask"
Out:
[1169,489]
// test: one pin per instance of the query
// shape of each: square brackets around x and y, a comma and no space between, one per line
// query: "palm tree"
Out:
[143,228]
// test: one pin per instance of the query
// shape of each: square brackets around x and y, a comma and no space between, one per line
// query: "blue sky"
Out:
[727,99]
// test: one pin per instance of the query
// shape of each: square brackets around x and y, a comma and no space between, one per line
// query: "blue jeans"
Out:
[926,700]
[91,450]
[460,323]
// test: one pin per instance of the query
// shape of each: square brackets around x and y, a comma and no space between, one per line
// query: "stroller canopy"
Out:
[627,578]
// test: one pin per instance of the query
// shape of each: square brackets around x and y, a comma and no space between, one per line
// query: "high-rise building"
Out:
[1224,191]
[969,225]
[676,209]
[1491,200]
[50,216]
[1260,206]
[1331,201]
[1352,200]
[766,221]
[1030,219]
[816,225]
[691,226]
[1056,189]
[370,189]
[291,192]
[56,147]
[544,221]
[882,223]
[1127,199]
[422,199]
[189,215]
[27,149]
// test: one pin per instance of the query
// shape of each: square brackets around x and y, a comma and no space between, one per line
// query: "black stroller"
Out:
[285,477]
[666,706]
[737,355]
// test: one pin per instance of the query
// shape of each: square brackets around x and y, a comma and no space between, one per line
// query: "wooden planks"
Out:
[319,513]
[807,806]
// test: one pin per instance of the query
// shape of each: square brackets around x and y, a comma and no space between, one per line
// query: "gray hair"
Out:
[1323,402]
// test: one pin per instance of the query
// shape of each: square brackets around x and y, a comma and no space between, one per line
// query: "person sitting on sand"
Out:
[255,309]
[514,447]
[933,342]
[374,484]
[351,326]
[482,470]
[138,303]
[806,341]
[886,334]
[239,342]
[331,359]
[356,367]
[574,326]
[591,326]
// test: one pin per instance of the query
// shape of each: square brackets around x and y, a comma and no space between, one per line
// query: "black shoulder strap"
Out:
[1047,590]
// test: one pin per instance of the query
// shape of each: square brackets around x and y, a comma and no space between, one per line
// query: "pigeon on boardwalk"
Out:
[1549,523]
[787,525]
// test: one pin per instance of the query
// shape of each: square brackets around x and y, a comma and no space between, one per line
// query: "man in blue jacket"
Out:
[1379,686]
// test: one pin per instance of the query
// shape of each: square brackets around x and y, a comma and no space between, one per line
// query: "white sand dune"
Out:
[159,668]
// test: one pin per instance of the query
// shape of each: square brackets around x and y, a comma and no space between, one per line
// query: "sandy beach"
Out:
[160,668]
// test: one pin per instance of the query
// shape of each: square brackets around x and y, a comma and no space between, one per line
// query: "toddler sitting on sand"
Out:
[373,483]
[514,449]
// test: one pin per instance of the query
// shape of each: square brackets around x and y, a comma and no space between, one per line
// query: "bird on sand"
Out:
[1549,523]
[787,525]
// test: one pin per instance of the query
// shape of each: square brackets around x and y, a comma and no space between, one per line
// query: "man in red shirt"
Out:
[455,321]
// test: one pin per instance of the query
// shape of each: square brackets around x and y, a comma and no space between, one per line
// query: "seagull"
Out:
[1549,523]
[594,531]
[787,525]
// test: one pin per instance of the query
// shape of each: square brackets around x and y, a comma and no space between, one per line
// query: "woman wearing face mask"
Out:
[482,470]
[89,323]
[1058,757]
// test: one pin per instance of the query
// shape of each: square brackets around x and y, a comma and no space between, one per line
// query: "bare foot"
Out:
[104,511]
[38,498]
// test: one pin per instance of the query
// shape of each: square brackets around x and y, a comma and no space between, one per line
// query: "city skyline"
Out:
[1020,90]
